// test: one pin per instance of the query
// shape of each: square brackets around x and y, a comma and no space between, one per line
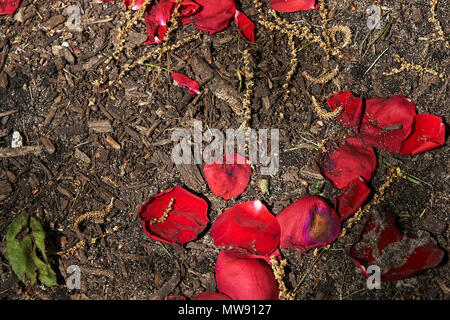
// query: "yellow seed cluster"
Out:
[437,24]
[246,101]
[405,65]
[278,272]
[164,216]
[322,113]
[94,214]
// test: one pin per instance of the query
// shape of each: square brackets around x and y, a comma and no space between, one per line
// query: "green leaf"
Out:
[25,246]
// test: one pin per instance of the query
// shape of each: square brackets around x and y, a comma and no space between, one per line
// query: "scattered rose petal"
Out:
[248,228]
[127,3]
[352,106]
[215,15]
[8,6]
[347,161]
[398,255]
[183,80]
[387,122]
[308,223]
[207,295]
[175,298]
[245,26]
[292,5]
[187,9]
[156,21]
[352,198]
[428,133]
[244,278]
[186,217]
[228,177]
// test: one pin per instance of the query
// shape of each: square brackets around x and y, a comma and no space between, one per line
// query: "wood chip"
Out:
[19,152]
[5,189]
[191,176]
[112,143]
[48,145]
[80,155]
[100,126]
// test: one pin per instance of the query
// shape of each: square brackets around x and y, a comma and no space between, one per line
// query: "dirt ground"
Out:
[47,94]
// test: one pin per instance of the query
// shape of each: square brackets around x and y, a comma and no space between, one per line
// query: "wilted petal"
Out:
[347,161]
[245,26]
[228,177]
[398,255]
[308,223]
[352,198]
[186,217]
[156,21]
[215,15]
[352,106]
[247,227]
[183,80]
[292,5]
[428,133]
[207,295]
[387,122]
[244,278]
[8,6]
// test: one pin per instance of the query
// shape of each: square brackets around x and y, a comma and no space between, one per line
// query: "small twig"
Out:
[376,60]
[19,152]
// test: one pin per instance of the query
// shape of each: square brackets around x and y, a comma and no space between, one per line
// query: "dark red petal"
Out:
[292,5]
[207,295]
[215,15]
[183,80]
[188,8]
[428,133]
[387,122]
[127,3]
[228,177]
[184,222]
[352,106]
[308,223]
[8,6]
[352,198]
[348,161]
[248,228]
[244,278]
[156,21]
[175,298]
[245,26]
[398,255]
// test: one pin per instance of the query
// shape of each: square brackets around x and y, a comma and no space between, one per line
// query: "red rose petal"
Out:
[183,80]
[245,26]
[398,255]
[184,222]
[352,198]
[156,21]
[428,133]
[228,177]
[348,161]
[308,223]
[352,106]
[8,6]
[248,228]
[244,278]
[292,5]
[215,15]
[207,295]
[387,122]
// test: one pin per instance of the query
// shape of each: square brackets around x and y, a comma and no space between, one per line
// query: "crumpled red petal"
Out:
[9,6]
[241,277]
[185,218]
[352,106]
[347,161]
[156,21]
[183,80]
[208,295]
[308,223]
[127,3]
[248,228]
[352,198]
[387,122]
[428,133]
[245,26]
[228,177]
[292,5]
[215,15]
[398,255]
